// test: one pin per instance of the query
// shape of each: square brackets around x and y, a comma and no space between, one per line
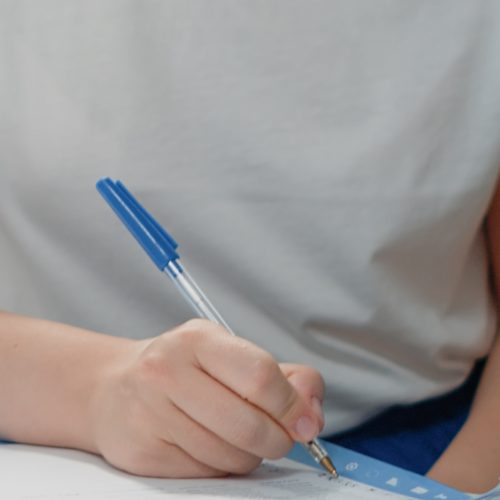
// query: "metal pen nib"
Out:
[328,465]
[321,456]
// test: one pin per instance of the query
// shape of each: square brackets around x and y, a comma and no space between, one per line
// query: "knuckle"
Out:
[151,365]
[203,327]
[188,335]
[265,371]
[185,339]
[316,379]
[154,370]
[196,326]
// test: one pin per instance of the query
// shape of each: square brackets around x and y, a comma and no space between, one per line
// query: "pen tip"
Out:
[328,465]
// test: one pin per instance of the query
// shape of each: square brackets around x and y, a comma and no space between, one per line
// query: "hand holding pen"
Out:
[237,402]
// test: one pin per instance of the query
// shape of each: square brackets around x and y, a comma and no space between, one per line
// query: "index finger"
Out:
[254,375]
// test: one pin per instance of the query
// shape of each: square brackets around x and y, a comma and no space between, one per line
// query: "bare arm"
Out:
[47,374]
[472,461]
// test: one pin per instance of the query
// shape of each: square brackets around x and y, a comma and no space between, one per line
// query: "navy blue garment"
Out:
[413,437]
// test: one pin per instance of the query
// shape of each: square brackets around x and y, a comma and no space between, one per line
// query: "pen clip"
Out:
[156,242]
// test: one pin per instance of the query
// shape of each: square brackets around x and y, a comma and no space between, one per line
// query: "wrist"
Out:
[108,382]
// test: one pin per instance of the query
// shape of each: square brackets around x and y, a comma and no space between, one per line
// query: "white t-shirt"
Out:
[325,166]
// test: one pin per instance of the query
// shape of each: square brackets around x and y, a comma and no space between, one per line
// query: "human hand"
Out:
[199,402]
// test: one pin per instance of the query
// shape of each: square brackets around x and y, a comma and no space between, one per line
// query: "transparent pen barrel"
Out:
[193,293]
[205,309]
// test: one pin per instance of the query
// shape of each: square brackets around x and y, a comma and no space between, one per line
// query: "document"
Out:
[39,473]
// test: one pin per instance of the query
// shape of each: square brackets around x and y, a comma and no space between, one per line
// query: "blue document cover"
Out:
[372,472]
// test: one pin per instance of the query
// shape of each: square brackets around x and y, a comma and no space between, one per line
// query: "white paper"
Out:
[39,473]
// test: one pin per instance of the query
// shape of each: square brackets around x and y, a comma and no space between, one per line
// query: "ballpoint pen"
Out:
[161,248]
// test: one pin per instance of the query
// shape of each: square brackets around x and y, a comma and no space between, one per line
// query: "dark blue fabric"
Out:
[413,437]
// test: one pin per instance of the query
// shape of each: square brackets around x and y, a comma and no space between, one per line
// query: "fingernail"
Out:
[306,428]
[318,410]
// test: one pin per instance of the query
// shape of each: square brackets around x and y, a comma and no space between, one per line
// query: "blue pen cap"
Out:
[157,243]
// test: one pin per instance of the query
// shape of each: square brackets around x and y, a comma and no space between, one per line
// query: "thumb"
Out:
[309,385]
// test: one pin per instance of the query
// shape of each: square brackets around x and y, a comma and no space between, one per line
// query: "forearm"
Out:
[472,461]
[48,374]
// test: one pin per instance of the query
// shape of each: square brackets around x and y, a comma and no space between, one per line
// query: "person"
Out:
[327,169]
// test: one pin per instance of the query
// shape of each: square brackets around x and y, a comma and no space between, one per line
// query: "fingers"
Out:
[143,452]
[307,381]
[208,448]
[166,460]
[198,402]
[234,420]
[255,376]
[309,384]
[210,403]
